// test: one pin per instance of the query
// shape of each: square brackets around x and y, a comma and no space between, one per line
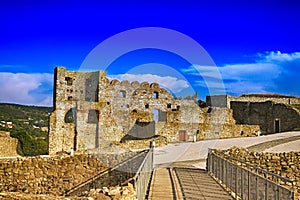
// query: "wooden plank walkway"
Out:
[164,185]
[197,184]
[184,184]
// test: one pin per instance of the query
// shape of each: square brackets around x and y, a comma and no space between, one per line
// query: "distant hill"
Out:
[33,114]
[28,124]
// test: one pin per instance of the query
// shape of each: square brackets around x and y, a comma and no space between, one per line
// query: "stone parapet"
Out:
[8,145]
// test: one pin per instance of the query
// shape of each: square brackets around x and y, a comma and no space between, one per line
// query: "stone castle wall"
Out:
[224,100]
[271,117]
[273,113]
[278,100]
[8,145]
[92,112]
[219,123]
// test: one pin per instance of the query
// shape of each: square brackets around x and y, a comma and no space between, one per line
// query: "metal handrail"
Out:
[106,171]
[255,167]
[143,175]
[241,180]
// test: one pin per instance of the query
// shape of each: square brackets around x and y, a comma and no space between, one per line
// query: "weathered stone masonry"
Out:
[92,112]
[8,145]
[273,113]
[48,175]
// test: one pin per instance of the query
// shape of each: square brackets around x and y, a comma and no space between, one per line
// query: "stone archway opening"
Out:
[70,116]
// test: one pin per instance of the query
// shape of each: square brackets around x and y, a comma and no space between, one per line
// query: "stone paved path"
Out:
[196,153]
[267,145]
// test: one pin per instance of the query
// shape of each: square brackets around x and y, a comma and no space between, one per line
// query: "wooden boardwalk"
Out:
[185,183]
[164,185]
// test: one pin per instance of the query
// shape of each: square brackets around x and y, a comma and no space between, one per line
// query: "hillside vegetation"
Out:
[27,122]
[297,106]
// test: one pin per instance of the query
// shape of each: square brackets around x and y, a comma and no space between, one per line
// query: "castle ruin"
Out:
[272,112]
[92,112]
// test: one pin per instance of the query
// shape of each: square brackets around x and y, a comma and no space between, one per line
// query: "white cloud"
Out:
[29,89]
[36,89]
[171,83]
[279,57]
[273,72]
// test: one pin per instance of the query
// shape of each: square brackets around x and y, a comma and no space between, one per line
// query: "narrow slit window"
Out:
[69,81]
[155,95]
[123,94]
[70,116]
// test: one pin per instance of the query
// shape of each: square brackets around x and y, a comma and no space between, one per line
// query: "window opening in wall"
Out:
[70,98]
[123,94]
[146,106]
[178,107]
[155,95]
[69,80]
[75,140]
[70,116]
[169,105]
[209,110]
[277,125]
[93,116]
[155,115]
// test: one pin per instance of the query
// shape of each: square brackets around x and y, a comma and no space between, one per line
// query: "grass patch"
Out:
[297,106]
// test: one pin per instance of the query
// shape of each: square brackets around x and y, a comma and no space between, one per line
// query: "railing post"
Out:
[256,188]
[266,189]
[248,185]
[277,193]
[242,184]
[236,182]
[224,170]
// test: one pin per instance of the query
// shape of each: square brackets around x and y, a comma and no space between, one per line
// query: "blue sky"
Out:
[254,45]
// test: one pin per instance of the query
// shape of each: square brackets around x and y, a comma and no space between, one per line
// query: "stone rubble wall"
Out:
[50,175]
[110,193]
[126,192]
[53,175]
[219,123]
[120,175]
[286,164]
[8,145]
